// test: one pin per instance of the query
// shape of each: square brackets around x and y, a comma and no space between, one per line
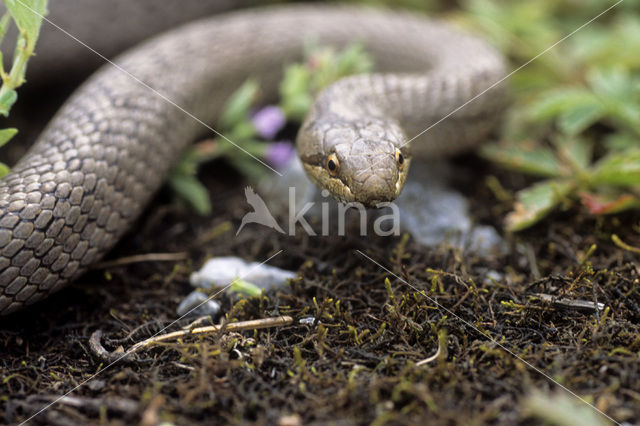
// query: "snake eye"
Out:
[399,159]
[333,164]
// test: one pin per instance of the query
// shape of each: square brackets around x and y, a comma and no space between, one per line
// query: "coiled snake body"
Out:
[109,148]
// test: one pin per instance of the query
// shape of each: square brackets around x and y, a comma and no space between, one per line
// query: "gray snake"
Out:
[109,148]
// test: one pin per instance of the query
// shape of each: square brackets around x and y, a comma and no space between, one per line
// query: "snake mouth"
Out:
[376,190]
[379,190]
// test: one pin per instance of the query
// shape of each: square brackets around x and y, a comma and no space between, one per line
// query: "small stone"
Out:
[492,276]
[196,304]
[222,271]
[434,214]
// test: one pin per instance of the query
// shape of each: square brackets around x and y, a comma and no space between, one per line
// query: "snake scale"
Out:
[110,146]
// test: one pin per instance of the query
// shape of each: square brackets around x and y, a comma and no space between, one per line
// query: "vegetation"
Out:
[248,128]
[367,345]
[27,15]
[575,120]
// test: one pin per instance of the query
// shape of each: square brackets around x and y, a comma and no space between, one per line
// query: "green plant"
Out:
[251,131]
[27,16]
[575,117]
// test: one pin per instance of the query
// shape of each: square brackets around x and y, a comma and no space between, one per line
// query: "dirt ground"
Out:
[359,360]
[379,349]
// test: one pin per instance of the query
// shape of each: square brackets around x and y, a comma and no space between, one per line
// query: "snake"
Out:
[110,146]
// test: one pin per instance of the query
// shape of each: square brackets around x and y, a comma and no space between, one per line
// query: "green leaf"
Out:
[600,44]
[295,88]
[7,134]
[609,202]
[245,287]
[8,97]
[4,25]
[619,168]
[4,170]
[241,131]
[237,107]
[559,410]
[199,153]
[619,91]
[535,202]
[535,160]
[621,141]
[611,83]
[553,103]
[296,107]
[626,113]
[249,167]
[577,119]
[353,60]
[578,152]
[192,191]
[27,15]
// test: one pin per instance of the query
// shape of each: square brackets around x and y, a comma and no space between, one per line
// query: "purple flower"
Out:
[280,154]
[268,121]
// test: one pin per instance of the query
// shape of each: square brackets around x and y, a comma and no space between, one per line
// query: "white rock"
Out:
[196,304]
[434,213]
[430,210]
[221,271]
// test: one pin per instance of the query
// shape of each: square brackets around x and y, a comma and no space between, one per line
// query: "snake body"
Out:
[109,148]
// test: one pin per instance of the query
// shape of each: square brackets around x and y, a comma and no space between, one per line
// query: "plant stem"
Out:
[16,75]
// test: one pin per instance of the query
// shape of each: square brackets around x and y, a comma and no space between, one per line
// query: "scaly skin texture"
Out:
[109,148]
[109,27]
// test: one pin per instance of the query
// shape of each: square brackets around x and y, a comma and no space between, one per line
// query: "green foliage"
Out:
[191,191]
[245,287]
[236,111]
[560,410]
[610,95]
[6,135]
[27,16]
[535,202]
[301,82]
[575,117]
[419,5]
[322,67]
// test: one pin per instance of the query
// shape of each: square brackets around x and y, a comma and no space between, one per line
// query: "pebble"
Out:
[493,276]
[197,305]
[434,213]
[222,271]
[429,209]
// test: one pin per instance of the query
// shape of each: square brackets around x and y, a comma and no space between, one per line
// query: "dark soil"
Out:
[357,362]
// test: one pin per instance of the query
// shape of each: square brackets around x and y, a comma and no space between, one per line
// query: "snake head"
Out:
[363,161]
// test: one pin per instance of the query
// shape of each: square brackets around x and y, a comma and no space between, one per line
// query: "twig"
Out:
[100,352]
[138,258]
[569,303]
[234,326]
[442,351]
[533,264]
[430,359]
